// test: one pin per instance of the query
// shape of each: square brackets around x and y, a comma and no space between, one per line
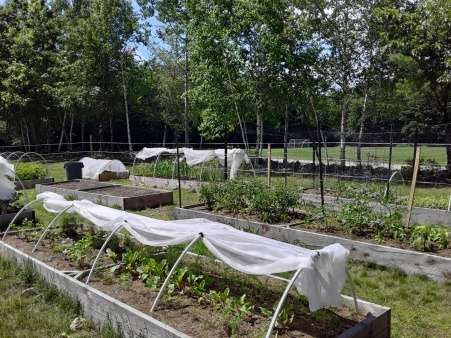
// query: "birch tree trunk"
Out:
[62,131]
[127,116]
[186,116]
[362,126]
[285,139]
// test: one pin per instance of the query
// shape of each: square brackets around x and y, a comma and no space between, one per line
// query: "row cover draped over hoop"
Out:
[323,272]
[235,157]
[92,168]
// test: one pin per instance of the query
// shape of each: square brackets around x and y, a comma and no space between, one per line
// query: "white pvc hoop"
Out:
[168,278]
[102,249]
[387,191]
[50,224]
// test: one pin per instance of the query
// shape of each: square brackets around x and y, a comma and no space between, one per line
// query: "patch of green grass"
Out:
[369,154]
[419,307]
[45,313]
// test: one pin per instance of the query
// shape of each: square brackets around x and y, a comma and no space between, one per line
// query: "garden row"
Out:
[281,204]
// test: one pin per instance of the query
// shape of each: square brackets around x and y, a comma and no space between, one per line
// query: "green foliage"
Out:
[356,216]
[227,304]
[274,204]
[80,251]
[271,204]
[429,238]
[428,166]
[167,168]
[284,318]
[30,171]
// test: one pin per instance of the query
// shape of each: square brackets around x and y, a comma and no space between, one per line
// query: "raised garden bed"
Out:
[29,184]
[167,183]
[419,215]
[126,197]
[106,301]
[433,266]
[5,219]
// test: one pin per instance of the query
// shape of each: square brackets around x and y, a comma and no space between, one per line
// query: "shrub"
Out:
[270,204]
[274,204]
[30,171]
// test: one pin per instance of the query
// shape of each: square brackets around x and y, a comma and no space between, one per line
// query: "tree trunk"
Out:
[240,122]
[259,140]
[448,145]
[127,116]
[110,117]
[285,139]
[62,131]
[71,130]
[186,116]
[82,131]
[362,125]
[165,134]
[101,134]
[343,128]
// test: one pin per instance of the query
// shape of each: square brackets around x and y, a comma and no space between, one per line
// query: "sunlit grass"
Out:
[400,154]
[419,306]
[46,313]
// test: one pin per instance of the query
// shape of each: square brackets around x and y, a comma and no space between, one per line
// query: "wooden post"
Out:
[414,182]
[269,164]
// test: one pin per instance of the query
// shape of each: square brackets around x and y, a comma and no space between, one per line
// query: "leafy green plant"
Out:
[80,251]
[196,283]
[30,171]
[274,204]
[284,318]
[355,216]
[271,204]
[427,237]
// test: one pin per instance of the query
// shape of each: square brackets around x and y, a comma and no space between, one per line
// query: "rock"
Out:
[77,324]
[28,292]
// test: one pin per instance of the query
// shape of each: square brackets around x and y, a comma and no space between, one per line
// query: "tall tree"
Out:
[30,35]
[420,32]
[175,18]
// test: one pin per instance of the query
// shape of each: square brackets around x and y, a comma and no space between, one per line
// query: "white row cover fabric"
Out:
[92,168]
[235,157]
[323,271]
[7,187]
[146,153]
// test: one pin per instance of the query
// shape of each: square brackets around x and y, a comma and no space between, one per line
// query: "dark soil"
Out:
[124,191]
[105,188]
[184,312]
[80,184]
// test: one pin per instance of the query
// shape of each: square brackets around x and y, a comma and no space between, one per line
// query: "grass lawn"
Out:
[376,155]
[45,313]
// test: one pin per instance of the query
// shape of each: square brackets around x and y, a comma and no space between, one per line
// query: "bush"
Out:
[30,171]
[274,204]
